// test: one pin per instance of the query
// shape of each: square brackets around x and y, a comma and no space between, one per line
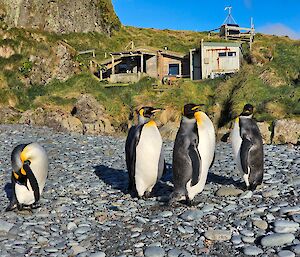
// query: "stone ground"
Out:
[85,210]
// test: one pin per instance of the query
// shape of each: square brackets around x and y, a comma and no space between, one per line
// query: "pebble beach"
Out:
[85,209]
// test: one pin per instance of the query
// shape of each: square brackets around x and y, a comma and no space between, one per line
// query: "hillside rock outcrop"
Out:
[61,16]
[286,131]
[92,115]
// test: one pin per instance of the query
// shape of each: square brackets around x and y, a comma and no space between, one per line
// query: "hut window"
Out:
[222,54]
[173,69]
[231,53]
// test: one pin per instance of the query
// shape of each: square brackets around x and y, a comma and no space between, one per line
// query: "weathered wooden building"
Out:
[131,65]
[213,59]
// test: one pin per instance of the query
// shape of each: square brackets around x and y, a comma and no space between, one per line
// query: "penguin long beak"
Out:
[157,110]
[197,108]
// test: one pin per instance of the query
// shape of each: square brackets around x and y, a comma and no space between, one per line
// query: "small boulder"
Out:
[265,132]
[286,131]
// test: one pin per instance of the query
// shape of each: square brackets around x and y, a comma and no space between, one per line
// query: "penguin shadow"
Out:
[222,180]
[162,189]
[8,191]
[117,179]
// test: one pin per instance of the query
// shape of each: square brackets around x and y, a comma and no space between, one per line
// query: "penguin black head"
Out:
[190,109]
[147,111]
[248,110]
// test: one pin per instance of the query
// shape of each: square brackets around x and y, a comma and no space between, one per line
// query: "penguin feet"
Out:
[11,206]
[147,194]
[35,206]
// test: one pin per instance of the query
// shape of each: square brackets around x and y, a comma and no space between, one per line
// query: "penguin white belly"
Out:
[147,159]
[236,142]
[206,148]
[24,196]
[40,171]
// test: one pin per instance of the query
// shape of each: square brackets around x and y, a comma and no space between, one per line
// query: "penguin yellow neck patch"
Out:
[237,119]
[150,123]
[198,117]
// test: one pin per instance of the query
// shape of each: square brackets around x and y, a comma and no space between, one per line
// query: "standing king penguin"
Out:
[30,169]
[144,158]
[247,146]
[193,153]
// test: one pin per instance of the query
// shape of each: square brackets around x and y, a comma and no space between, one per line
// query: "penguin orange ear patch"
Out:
[16,175]
[23,171]
[141,112]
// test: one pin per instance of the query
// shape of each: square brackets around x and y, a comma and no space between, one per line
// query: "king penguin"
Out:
[193,153]
[247,146]
[30,169]
[144,157]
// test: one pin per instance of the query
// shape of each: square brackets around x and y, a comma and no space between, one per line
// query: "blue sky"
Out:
[270,16]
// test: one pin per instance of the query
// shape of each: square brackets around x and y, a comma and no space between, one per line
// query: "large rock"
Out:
[61,16]
[59,64]
[8,115]
[55,119]
[169,130]
[286,131]
[92,115]
[264,128]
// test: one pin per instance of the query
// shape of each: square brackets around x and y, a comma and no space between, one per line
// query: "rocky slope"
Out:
[86,212]
[60,16]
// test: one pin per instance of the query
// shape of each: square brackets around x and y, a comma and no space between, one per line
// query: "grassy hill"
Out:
[269,77]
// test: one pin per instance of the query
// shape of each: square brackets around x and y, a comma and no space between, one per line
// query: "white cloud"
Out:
[279,29]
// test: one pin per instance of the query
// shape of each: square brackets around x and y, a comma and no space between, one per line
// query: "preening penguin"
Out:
[193,153]
[144,158]
[30,169]
[247,146]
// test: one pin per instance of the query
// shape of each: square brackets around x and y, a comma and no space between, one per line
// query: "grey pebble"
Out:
[277,239]
[97,254]
[286,253]
[252,251]
[154,251]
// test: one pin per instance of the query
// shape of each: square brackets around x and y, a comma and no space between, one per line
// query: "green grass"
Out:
[277,57]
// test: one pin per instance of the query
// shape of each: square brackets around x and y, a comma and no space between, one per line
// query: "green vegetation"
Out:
[269,78]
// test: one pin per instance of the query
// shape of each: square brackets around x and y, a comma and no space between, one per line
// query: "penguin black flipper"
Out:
[132,141]
[33,182]
[195,158]
[244,154]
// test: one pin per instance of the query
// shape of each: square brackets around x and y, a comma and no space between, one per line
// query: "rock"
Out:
[252,251]
[97,254]
[5,226]
[169,130]
[8,114]
[62,16]
[289,209]
[277,239]
[154,251]
[286,253]
[246,195]
[265,132]
[285,226]
[286,131]
[6,51]
[191,215]
[229,191]
[78,249]
[218,235]
[296,249]
[92,115]
[57,120]
[260,224]
[270,193]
